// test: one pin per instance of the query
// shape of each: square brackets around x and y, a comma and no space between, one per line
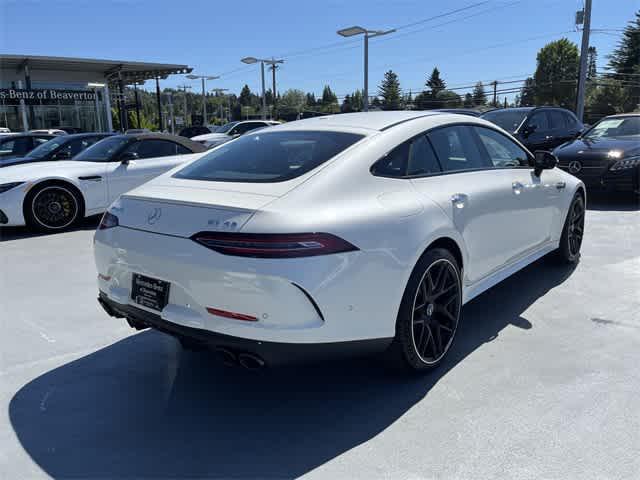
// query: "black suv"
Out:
[538,128]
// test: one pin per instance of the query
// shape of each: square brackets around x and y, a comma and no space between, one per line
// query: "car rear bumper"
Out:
[272,353]
[322,299]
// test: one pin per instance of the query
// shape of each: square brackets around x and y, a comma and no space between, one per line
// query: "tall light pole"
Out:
[219,91]
[204,98]
[584,51]
[355,30]
[272,62]
[184,97]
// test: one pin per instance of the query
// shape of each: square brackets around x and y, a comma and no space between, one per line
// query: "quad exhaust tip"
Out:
[249,361]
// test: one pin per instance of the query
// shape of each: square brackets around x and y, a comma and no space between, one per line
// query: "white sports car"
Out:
[349,232]
[52,196]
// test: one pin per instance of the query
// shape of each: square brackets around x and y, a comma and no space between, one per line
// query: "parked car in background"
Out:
[49,131]
[461,111]
[194,130]
[51,196]
[538,128]
[62,147]
[17,145]
[355,232]
[232,130]
[607,156]
[69,129]
[133,131]
[4,130]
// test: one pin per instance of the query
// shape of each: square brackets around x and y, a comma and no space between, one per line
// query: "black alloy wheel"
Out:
[53,207]
[573,231]
[430,311]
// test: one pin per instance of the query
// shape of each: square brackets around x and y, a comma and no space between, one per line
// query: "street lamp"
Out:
[272,62]
[356,30]
[204,99]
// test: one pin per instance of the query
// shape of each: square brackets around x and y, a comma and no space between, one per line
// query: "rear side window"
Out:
[268,156]
[17,146]
[502,151]
[569,120]
[243,128]
[539,120]
[557,119]
[457,149]
[153,148]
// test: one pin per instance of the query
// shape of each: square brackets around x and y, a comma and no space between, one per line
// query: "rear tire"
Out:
[429,312]
[572,232]
[52,207]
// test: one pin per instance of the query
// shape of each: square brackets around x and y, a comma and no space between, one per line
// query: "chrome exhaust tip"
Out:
[250,361]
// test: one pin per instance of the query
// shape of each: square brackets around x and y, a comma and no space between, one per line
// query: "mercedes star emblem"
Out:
[575,166]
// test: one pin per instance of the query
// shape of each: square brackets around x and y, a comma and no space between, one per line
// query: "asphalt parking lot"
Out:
[542,382]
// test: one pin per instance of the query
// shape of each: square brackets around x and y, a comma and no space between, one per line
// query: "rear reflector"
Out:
[231,315]
[273,245]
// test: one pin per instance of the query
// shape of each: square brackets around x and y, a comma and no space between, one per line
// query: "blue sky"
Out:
[494,40]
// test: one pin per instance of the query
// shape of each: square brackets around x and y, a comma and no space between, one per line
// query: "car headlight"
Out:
[8,186]
[623,164]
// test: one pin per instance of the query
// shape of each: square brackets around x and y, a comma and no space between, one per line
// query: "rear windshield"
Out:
[268,156]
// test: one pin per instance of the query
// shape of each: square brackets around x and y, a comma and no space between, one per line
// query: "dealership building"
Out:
[47,92]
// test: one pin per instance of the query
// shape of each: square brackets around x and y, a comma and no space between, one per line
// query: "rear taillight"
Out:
[273,245]
[109,220]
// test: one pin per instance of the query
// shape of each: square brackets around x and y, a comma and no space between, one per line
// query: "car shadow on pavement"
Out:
[17,233]
[142,407]
[613,202]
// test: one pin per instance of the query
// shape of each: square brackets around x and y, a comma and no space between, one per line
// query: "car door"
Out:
[560,131]
[153,157]
[539,136]
[534,196]
[478,198]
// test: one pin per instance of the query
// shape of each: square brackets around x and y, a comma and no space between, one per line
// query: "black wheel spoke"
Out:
[436,310]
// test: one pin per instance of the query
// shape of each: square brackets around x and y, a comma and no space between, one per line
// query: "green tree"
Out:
[556,74]
[245,96]
[528,96]
[389,91]
[357,101]
[328,97]
[468,101]
[292,103]
[434,83]
[346,106]
[592,61]
[311,100]
[625,62]
[607,98]
[479,95]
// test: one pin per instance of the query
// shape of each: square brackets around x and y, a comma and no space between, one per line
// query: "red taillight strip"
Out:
[273,245]
[231,315]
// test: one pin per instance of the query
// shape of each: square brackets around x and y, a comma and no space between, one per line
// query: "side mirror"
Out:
[543,160]
[126,157]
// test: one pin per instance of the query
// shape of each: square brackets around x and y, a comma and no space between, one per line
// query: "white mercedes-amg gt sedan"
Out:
[347,233]
[52,196]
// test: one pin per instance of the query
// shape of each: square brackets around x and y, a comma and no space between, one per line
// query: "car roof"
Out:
[86,134]
[187,142]
[619,115]
[361,120]
[30,134]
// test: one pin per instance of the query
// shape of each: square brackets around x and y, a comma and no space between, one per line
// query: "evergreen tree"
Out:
[626,56]
[390,92]
[479,95]
[592,60]
[311,100]
[468,100]
[328,97]
[434,83]
[528,97]
[357,101]
[245,96]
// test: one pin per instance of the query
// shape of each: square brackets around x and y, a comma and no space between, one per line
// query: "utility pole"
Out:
[160,128]
[584,52]
[184,97]
[275,95]
[495,93]
[173,121]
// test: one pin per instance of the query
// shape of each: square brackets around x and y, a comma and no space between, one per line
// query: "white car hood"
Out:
[210,136]
[37,170]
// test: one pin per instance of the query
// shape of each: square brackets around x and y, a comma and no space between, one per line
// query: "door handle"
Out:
[561,185]
[459,199]
[517,187]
